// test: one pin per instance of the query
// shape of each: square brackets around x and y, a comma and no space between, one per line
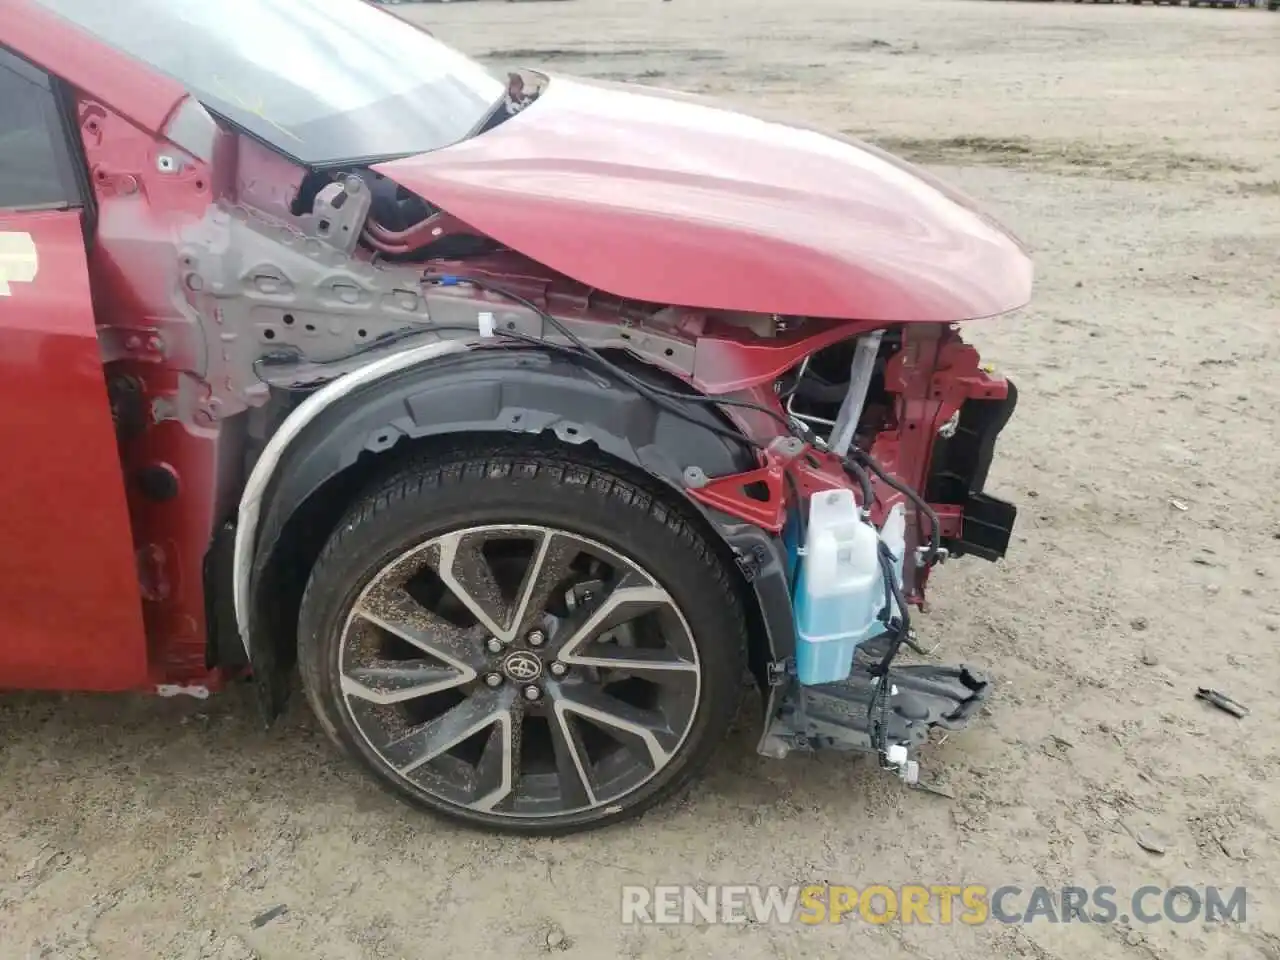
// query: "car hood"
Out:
[669,198]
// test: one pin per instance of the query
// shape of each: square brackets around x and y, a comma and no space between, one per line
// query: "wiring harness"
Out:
[858,464]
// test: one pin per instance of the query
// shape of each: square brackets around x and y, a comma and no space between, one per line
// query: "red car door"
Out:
[70,610]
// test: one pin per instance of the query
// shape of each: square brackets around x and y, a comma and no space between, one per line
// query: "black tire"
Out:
[557,489]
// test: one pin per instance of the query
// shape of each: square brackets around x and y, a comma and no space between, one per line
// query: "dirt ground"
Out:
[1137,150]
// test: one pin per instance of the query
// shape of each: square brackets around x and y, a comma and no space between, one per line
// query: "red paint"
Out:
[70,616]
[139,213]
[730,359]
[611,200]
[122,107]
[928,380]
[730,494]
[662,198]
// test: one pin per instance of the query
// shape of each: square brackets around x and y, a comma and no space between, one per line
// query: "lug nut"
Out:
[493,645]
[532,693]
[536,638]
[493,679]
[558,669]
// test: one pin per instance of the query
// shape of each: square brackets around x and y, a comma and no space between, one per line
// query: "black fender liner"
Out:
[495,392]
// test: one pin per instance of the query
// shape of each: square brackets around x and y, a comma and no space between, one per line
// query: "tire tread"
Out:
[576,469]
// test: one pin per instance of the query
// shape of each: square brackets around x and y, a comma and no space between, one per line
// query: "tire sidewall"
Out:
[540,491]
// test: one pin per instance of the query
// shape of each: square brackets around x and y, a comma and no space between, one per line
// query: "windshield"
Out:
[322,81]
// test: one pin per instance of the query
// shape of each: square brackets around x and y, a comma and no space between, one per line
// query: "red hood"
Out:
[667,198]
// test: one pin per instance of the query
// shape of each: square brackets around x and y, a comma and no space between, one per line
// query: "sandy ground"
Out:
[1138,152]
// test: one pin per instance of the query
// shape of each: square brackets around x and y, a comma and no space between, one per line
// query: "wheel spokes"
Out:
[499,766]
[620,670]
[621,605]
[546,573]
[430,740]
[396,681]
[392,609]
[641,661]
[573,765]
[578,644]
[463,568]
[467,572]
[647,728]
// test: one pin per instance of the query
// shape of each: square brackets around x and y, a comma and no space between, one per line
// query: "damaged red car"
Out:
[521,417]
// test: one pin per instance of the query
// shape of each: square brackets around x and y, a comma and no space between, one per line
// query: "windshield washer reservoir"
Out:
[839,588]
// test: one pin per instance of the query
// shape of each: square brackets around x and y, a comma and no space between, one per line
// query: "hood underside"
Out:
[657,196]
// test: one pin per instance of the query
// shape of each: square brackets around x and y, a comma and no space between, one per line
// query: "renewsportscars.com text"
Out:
[969,904]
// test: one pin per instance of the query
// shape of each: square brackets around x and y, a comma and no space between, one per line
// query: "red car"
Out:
[520,416]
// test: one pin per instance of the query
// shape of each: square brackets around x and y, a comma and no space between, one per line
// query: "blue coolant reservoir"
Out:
[839,588]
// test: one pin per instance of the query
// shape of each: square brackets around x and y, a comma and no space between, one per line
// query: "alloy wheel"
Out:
[519,671]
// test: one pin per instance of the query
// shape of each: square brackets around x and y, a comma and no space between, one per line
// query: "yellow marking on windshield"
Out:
[258,107]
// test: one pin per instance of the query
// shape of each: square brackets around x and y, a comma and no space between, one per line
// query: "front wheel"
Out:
[522,642]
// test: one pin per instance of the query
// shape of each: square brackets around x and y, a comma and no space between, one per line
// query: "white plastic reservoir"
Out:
[839,588]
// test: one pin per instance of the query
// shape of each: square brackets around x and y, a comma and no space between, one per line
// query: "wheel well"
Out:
[283,579]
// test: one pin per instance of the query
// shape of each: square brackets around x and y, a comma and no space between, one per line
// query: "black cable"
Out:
[280,357]
[613,368]
[660,397]
[893,591]
[899,628]
[731,402]
[579,349]
[648,390]
[638,385]
[900,625]
[786,393]
[864,481]
[935,527]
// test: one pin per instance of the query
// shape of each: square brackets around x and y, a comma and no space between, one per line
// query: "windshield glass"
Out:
[322,81]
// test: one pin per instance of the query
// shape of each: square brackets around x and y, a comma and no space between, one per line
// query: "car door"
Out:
[70,610]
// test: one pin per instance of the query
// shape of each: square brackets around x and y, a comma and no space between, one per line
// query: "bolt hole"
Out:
[311,328]
[669,352]
[323,226]
[511,324]
[626,336]
[269,334]
[571,431]
[362,333]
[911,426]
[288,319]
[199,184]
[101,175]
[515,418]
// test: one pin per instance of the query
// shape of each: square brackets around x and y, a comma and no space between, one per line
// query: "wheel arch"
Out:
[440,400]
